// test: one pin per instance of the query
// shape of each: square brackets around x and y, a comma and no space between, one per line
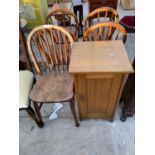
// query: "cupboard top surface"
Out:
[99,56]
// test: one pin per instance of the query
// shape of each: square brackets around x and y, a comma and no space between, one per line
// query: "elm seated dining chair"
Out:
[65,18]
[99,15]
[105,31]
[26,79]
[49,48]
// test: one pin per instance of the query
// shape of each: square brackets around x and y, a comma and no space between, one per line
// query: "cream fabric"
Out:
[25,85]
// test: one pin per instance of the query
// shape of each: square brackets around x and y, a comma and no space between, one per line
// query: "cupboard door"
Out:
[98,94]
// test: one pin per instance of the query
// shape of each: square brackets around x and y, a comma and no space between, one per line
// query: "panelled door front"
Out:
[97,94]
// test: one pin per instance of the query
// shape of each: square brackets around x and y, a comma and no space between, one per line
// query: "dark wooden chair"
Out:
[128,97]
[65,18]
[103,14]
[50,48]
[26,79]
[105,31]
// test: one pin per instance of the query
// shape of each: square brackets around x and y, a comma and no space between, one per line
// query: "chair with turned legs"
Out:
[49,48]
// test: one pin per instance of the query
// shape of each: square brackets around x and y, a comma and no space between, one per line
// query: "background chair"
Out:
[105,31]
[103,14]
[25,85]
[50,48]
[65,18]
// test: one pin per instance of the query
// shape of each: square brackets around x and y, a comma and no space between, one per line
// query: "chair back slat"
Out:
[43,46]
[118,32]
[108,33]
[43,55]
[54,47]
[105,17]
[48,45]
[105,31]
[50,48]
[60,47]
[98,17]
[112,17]
[65,51]
[99,34]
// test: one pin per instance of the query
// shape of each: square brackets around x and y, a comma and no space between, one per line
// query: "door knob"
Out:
[81,98]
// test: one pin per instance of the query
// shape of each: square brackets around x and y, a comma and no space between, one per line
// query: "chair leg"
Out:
[32,114]
[36,107]
[72,107]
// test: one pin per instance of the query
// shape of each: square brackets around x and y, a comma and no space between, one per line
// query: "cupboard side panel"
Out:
[123,81]
[115,89]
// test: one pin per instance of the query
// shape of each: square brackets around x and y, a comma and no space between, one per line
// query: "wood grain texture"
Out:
[51,88]
[100,69]
[50,48]
[97,97]
[114,95]
[51,45]
[97,94]
[99,57]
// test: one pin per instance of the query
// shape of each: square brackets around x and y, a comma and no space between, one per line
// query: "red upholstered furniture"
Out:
[129,23]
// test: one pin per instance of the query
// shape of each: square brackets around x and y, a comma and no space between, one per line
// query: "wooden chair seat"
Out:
[51,88]
[25,85]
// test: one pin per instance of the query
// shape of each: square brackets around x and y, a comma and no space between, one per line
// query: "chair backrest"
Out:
[103,14]
[65,18]
[105,31]
[49,48]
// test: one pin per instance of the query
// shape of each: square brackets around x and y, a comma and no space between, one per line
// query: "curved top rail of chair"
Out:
[107,24]
[45,27]
[103,9]
[48,27]
[64,10]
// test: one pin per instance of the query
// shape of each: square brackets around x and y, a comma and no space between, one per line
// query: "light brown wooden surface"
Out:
[97,96]
[99,70]
[51,88]
[100,57]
